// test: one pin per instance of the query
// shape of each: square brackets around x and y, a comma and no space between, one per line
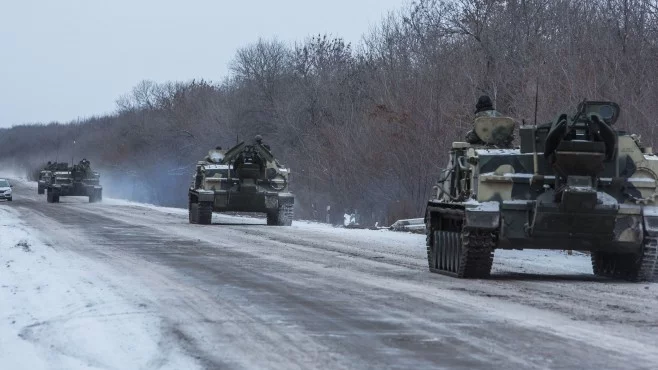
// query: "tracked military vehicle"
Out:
[574,184]
[46,175]
[245,178]
[78,180]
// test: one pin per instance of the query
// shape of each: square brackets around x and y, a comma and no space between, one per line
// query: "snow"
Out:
[641,180]
[650,211]
[607,200]
[59,311]
[499,152]
[485,207]
[546,262]
[517,201]
[216,166]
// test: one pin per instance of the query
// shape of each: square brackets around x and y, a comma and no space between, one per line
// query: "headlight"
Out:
[8,191]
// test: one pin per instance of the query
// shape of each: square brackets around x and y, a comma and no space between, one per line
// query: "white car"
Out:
[5,190]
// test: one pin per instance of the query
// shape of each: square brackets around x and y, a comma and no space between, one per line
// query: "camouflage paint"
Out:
[626,192]
[216,180]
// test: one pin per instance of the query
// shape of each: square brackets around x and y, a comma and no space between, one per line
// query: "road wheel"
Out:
[9,199]
[40,190]
[49,196]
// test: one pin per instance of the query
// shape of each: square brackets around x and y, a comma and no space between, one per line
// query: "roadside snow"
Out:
[58,311]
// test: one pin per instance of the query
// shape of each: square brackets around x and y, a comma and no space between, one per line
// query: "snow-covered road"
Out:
[119,285]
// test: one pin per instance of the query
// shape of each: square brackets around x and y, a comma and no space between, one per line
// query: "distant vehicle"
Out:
[78,180]
[46,174]
[44,180]
[245,178]
[575,183]
[6,190]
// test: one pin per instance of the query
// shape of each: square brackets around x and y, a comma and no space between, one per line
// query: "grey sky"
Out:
[60,59]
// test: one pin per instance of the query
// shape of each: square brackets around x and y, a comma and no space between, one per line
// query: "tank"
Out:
[575,183]
[245,178]
[78,180]
[46,175]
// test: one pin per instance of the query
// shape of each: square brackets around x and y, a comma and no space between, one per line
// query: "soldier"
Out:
[483,108]
[215,156]
[259,140]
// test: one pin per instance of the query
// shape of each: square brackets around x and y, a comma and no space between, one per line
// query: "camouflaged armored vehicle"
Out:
[46,175]
[78,180]
[245,178]
[574,184]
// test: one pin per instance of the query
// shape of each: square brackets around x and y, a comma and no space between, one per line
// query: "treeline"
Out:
[368,127]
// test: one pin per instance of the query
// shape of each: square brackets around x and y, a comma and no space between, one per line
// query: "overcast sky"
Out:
[63,59]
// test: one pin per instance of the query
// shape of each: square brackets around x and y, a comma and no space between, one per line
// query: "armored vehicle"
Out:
[78,180]
[44,180]
[46,175]
[245,178]
[574,184]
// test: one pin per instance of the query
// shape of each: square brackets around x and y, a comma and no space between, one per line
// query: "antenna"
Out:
[58,144]
[581,109]
[536,98]
[534,132]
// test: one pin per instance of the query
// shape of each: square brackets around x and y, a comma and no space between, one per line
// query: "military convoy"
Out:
[78,180]
[576,183]
[245,178]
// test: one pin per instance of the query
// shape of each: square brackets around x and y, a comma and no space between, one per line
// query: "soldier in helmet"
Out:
[259,140]
[483,108]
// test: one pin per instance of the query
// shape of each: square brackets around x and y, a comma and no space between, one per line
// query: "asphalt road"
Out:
[239,294]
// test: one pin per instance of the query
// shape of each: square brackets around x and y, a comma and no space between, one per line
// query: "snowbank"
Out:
[58,311]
